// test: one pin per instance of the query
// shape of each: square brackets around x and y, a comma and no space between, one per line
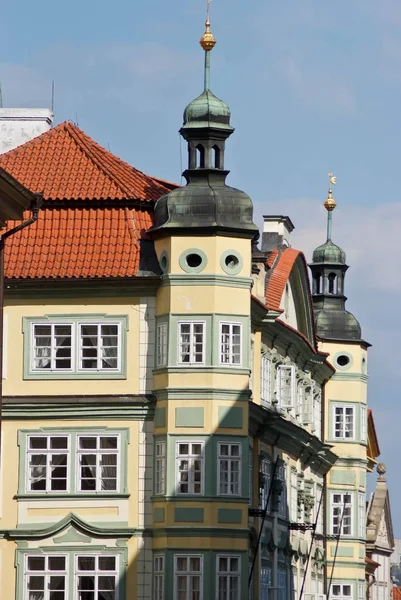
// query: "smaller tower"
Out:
[328,268]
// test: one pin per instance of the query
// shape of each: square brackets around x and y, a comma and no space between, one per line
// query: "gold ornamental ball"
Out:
[330,203]
[207,41]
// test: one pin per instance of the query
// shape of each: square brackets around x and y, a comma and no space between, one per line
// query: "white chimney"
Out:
[276,232]
[19,125]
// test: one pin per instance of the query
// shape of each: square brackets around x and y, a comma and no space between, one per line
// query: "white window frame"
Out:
[343,425]
[265,582]
[48,452]
[348,514]
[364,423]
[282,577]
[231,460]
[190,457]
[96,573]
[361,590]
[188,574]
[294,497]
[265,467]
[192,354]
[161,344]
[266,380]
[46,573]
[282,476]
[316,410]
[341,587]
[227,348]
[98,452]
[76,354]
[160,468]
[361,515]
[282,400]
[158,577]
[229,577]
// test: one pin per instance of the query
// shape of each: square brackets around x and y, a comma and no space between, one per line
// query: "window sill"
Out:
[74,496]
[201,369]
[75,375]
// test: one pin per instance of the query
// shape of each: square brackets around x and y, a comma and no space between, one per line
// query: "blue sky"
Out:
[313,86]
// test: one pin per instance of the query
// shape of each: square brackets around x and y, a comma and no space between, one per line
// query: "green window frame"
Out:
[78,346]
[70,576]
[95,469]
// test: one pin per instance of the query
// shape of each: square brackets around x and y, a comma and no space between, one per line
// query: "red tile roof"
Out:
[279,276]
[89,225]
[397,593]
[65,163]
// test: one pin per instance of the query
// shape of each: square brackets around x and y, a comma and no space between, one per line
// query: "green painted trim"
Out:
[230,417]
[229,515]
[207,280]
[239,395]
[74,411]
[188,515]
[201,532]
[159,515]
[69,551]
[202,369]
[342,477]
[362,478]
[205,498]
[38,532]
[72,535]
[348,376]
[73,432]
[231,270]
[160,416]
[189,416]
[357,422]
[347,366]
[183,262]
[342,551]
[164,261]
[27,322]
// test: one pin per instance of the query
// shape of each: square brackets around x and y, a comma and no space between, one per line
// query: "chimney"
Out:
[19,125]
[276,232]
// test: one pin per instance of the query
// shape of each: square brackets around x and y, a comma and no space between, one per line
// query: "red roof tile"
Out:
[94,228]
[78,243]
[65,163]
[397,593]
[279,276]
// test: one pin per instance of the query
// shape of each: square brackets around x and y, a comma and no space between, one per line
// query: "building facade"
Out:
[182,418]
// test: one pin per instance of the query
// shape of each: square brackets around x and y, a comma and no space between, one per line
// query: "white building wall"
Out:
[19,125]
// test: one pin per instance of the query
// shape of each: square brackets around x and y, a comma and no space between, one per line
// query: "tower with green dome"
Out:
[345,415]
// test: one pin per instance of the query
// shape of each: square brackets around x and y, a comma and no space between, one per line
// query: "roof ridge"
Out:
[82,139]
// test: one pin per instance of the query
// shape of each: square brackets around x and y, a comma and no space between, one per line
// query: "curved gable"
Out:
[288,291]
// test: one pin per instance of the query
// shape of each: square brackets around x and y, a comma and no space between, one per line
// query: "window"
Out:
[48,463]
[363,424]
[266,381]
[341,514]
[340,591]
[161,344]
[317,411]
[230,343]
[344,422]
[281,475]
[45,577]
[160,470]
[307,403]
[265,582]
[319,509]
[188,577]
[158,578]
[190,467]
[265,476]
[294,497]
[228,578]
[282,584]
[72,346]
[96,577]
[286,386]
[361,591]
[250,475]
[97,463]
[361,516]
[229,471]
[191,343]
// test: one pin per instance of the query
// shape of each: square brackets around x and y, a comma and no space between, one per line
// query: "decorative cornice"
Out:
[202,394]
[210,280]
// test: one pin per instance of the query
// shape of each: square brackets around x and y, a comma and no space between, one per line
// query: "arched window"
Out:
[216,157]
[318,283]
[332,283]
[200,157]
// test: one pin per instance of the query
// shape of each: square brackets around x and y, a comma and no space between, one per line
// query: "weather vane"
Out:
[330,203]
[332,179]
[208,9]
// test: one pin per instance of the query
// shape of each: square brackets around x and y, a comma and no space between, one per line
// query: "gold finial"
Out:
[330,203]
[207,41]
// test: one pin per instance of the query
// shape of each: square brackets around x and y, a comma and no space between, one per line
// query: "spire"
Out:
[208,42]
[330,205]
[328,268]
